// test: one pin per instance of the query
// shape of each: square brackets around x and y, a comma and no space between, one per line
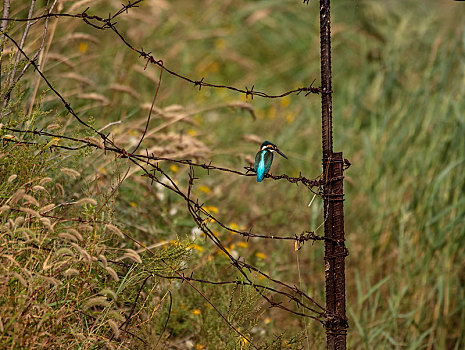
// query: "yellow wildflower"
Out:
[83,47]
[204,189]
[243,244]
[174,168]
[285,101]
[196,247]
[244,341]
[212,209]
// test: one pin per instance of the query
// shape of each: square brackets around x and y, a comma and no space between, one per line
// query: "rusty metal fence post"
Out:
[333,193]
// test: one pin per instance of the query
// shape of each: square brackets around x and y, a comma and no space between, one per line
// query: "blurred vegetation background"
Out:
[399,117]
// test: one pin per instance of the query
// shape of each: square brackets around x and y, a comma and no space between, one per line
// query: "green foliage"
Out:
[60,280]
[58,284]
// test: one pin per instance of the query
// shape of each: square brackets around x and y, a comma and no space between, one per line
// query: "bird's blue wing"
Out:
[260,166]
[268,158]
[263,161]
[257,160]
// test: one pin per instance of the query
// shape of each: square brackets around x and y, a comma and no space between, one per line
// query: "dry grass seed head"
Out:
[47,223]
[44,180]
[65,251]
[99,249]
[78,77]
[75,233]
[16,196]
[95,97]
[12,178]
[11,224]
[70,172]
[27,233]
[47,208]
[52,280]
[114,328]
[96,301]
[116,314]
[86,227]
[30,200]
[4,208]
[103,258]
[112,273]
[19,221]
[109,294]
[83,252]
[126,89]
[68,236]
[82,36]
[95,142]
[132,254]
[115,230]
[52,126]
[83,201]
[30,211]
[60,189]
[71,273]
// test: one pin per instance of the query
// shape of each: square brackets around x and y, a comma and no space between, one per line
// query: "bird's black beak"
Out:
[281,153]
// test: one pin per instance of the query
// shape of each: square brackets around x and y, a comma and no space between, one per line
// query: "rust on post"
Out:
[333,193]
[326,93]
[335,253]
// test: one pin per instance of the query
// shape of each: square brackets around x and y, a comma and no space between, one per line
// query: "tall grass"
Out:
[399,81]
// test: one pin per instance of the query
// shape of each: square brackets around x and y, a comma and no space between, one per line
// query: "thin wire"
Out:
[300,285]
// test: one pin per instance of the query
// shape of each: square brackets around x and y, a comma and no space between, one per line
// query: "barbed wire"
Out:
[292,297]
[107,23]
[195,207]
[301,238]
[146,159]
[149,164]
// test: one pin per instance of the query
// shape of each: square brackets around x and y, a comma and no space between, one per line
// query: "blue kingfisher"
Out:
[264,158]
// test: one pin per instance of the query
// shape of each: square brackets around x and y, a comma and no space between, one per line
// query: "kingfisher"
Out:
[264,158]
